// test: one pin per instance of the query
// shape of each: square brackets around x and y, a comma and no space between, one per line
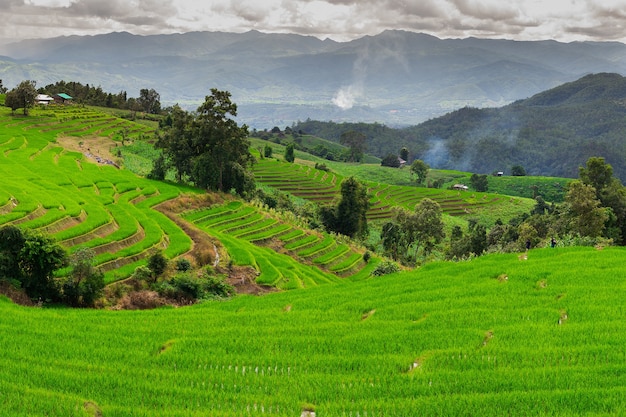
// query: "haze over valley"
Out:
[397,78]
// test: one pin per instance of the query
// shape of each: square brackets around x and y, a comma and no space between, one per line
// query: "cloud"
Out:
[338,19]
[28,18]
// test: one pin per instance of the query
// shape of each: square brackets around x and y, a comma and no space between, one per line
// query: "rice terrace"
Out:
[315,322]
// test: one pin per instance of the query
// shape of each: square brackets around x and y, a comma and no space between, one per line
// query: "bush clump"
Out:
[385,267]
[187,287]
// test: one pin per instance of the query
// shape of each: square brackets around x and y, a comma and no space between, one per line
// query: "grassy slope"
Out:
[446,340]
[69,196]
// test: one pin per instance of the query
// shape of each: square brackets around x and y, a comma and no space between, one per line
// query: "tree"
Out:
[587,216]
[356,142]
[480,182]
[220,141]
[348,217]
[352,208]
[159,169]
[404,154]
[85,282]
[177,141]
[391,239]
[11,243]
[611,193]
[420,169]
[31,259]
[518,171]
[422,228]
[208,147]
[597,173]
[149,101]
[39,257]
[390,160]
[428,224]
[289,153]
[3,89]
[23,96]
[157,263]
[267,151]
[11,101]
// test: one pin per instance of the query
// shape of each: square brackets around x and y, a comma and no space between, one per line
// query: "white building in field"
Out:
[43,99]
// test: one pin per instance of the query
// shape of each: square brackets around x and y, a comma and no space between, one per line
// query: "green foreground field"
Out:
[500,335]
[535,335]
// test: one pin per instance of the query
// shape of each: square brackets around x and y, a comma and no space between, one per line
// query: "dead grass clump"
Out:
[17,295]
[166,346]
[367,314]
[487,338]
[502,278]
[92,409]
[141,300]
[203,256]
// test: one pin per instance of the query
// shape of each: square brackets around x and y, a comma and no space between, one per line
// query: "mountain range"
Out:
[396,78]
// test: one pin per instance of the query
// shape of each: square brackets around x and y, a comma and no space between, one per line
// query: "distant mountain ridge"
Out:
[395,77]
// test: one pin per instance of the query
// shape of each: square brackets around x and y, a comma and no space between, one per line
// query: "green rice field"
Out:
[322,187]
[79,198]
[534,334]
[498,335]
[286,256]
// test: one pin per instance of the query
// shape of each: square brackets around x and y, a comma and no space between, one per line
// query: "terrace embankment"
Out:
[205,248]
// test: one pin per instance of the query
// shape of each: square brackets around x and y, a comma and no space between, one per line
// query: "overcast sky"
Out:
[341,20]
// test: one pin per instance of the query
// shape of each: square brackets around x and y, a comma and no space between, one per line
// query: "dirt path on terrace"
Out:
[95,145]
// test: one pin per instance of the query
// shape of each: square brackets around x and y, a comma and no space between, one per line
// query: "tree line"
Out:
[23,96]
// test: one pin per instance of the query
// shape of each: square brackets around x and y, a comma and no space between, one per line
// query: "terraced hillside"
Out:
[287,256]
[82,198]
[322,187]
[495,336]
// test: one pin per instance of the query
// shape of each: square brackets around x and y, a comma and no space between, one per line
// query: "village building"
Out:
[62,98]
[43,99]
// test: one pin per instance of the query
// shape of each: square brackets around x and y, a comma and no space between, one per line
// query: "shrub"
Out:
[157,263]
[188,287]
[322,167]
[386,267]
[183,265]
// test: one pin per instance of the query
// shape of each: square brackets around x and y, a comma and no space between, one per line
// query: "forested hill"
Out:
[551,133]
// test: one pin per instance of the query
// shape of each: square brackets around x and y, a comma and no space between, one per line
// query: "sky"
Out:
[341,20]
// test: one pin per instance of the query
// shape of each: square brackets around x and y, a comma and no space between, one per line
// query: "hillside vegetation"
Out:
[550,134]
[541,336]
